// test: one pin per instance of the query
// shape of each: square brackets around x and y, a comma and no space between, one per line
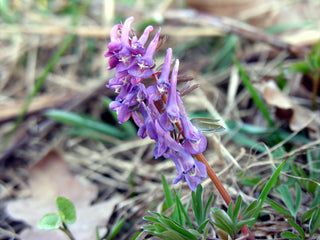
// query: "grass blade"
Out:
[254,94]
[167,194]
[84,122]
[266,189]
[197,205]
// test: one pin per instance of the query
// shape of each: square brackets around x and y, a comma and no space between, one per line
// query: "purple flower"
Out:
[122,110]
[137,45]
[189,170]
[172,108]
[194,142]
[114,47]
[144,65]
[163,81]
[195,147]
[125,105]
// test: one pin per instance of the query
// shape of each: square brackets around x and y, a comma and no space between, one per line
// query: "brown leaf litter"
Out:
[48,179]
[298,117]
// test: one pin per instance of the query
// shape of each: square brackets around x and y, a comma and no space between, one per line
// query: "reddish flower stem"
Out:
[214,178]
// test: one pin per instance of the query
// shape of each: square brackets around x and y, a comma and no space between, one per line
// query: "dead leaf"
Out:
[49,179]
[298,116]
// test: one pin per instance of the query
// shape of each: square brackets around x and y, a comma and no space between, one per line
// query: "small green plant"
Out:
[66,215]
[292,210]
[230,221]
[179,224]
[311,68]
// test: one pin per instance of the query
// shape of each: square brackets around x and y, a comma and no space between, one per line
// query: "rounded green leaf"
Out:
[49,221]
[66,210]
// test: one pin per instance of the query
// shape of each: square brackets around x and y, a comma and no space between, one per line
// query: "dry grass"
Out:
[76,83]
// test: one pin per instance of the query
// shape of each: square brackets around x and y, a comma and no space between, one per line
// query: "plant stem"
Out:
[223,192]
[66,230]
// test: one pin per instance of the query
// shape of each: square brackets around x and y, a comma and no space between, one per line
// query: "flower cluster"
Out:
[158,109]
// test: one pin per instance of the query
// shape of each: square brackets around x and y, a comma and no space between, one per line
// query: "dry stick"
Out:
[214,178]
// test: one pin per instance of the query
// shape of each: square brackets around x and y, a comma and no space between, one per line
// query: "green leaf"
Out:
[207,125]
[176,227]
[314,223]
[230,210]
[278,208]
[307,215]
[202,226]
[254,94]
[250,210]
[137,235]
[236,210]
[243,222]
[316,200]
[290,235]
[266,189]
[208,205]
[287,198]
[298,199]
[298,228]
[223,221]
[195,233]
[49,221]
[184,211]
[177,213]
[116,228]
[76,120]
[197,205]
[314,56]
[169,200]
[300,67]
[66,210]
[170,235]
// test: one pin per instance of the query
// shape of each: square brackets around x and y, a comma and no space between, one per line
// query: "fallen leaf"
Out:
[49,179]
[298,116]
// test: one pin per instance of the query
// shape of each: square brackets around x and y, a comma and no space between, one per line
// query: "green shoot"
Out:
[66,216]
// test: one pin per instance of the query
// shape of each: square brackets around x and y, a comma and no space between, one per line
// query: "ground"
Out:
[52,58]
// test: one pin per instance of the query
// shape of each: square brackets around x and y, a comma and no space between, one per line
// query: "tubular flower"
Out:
[157,108]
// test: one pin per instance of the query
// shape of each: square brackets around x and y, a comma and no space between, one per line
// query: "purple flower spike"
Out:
[163,81]
[154,116]
[172,102]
